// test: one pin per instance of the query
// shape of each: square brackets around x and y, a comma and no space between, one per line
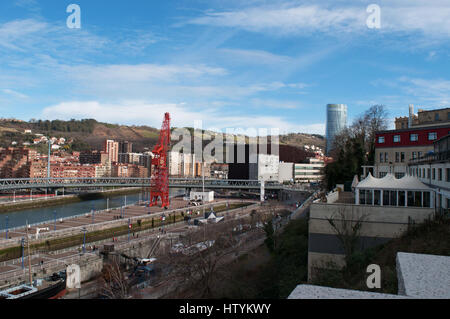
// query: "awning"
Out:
[389,182]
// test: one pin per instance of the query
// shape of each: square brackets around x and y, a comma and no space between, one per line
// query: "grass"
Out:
[431,237]
[265,274]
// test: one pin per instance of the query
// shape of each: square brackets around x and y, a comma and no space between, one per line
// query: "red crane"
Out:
[159,185]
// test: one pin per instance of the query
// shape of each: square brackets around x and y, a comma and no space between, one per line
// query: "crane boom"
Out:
[160,171]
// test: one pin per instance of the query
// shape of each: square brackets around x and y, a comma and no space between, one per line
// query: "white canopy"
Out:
[391,183]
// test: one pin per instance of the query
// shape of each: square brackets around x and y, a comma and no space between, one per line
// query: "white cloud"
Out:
[14,93]
[288,20]
[431,18]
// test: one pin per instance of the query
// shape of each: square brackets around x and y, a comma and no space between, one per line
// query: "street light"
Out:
[54,215]
[7,222]
[84,239]
[129,228]
[22,243]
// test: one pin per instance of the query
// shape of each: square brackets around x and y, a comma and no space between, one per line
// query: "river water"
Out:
[38,215]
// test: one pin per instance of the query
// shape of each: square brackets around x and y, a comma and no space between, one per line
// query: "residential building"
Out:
[15,162]
[434,170]
[395,149]
[311,172]
[72,171]
[125,147]
[423,118]
[112,148]
[336,122]
[94,157]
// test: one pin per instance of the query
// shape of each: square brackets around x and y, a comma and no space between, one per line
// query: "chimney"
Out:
[411,115]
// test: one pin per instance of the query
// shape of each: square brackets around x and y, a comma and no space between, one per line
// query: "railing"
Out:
[28,183]
[119,246]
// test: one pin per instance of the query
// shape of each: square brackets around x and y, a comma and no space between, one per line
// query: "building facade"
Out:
[112,149]
[336,122]
[394,150]
[311,172]
[434,170]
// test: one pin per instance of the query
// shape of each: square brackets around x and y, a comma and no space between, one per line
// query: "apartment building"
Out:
[423,118]
[434,171]
[395,149]
[94,157]
[112,149]
[72,171]
[15,162]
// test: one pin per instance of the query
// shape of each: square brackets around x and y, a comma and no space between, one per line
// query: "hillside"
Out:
[90,134]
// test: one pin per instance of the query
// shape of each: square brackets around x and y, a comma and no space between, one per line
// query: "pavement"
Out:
[41,261]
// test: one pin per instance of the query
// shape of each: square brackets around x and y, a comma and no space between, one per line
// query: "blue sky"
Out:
[245,64]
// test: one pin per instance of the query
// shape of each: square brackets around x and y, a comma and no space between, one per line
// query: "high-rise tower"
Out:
[336,122]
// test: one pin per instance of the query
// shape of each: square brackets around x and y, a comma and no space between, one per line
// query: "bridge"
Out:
[40,183]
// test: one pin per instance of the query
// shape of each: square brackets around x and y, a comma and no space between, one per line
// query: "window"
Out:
[399,175]
[436,117]
[402,157]
[434,173]
[419,154]
[432,136]
[414,155]
[386,157]
[381,157]
[448,116]
[414,137]
[381,139]
[396,138]
[429,173]
[397,157]
[440,174]
[382,174]
[448,175]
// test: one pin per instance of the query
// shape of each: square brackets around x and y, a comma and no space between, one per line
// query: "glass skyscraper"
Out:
[336,122]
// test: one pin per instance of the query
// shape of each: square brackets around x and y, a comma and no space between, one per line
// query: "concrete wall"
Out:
[285,172]
[332,197]
[380,224]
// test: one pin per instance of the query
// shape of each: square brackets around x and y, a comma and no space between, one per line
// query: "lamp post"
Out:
[22,244]
[54,215]
[129,228]
[7,222]
[84,239]
[93,214]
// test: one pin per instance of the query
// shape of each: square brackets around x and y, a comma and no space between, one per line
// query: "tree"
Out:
[113,283]
[348,230]
[354,147]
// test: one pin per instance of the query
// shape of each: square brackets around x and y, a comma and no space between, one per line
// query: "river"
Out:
[38,215]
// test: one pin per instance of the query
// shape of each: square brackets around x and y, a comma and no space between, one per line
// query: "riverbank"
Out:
[67,199]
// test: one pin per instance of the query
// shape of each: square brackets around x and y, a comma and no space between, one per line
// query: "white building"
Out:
[285,172]
[265,169]
[390,191]
[206,197]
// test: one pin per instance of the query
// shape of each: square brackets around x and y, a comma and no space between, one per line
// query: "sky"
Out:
[230,64]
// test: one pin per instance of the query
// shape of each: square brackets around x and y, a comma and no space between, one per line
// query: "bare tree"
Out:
[113,283]
[348,230]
